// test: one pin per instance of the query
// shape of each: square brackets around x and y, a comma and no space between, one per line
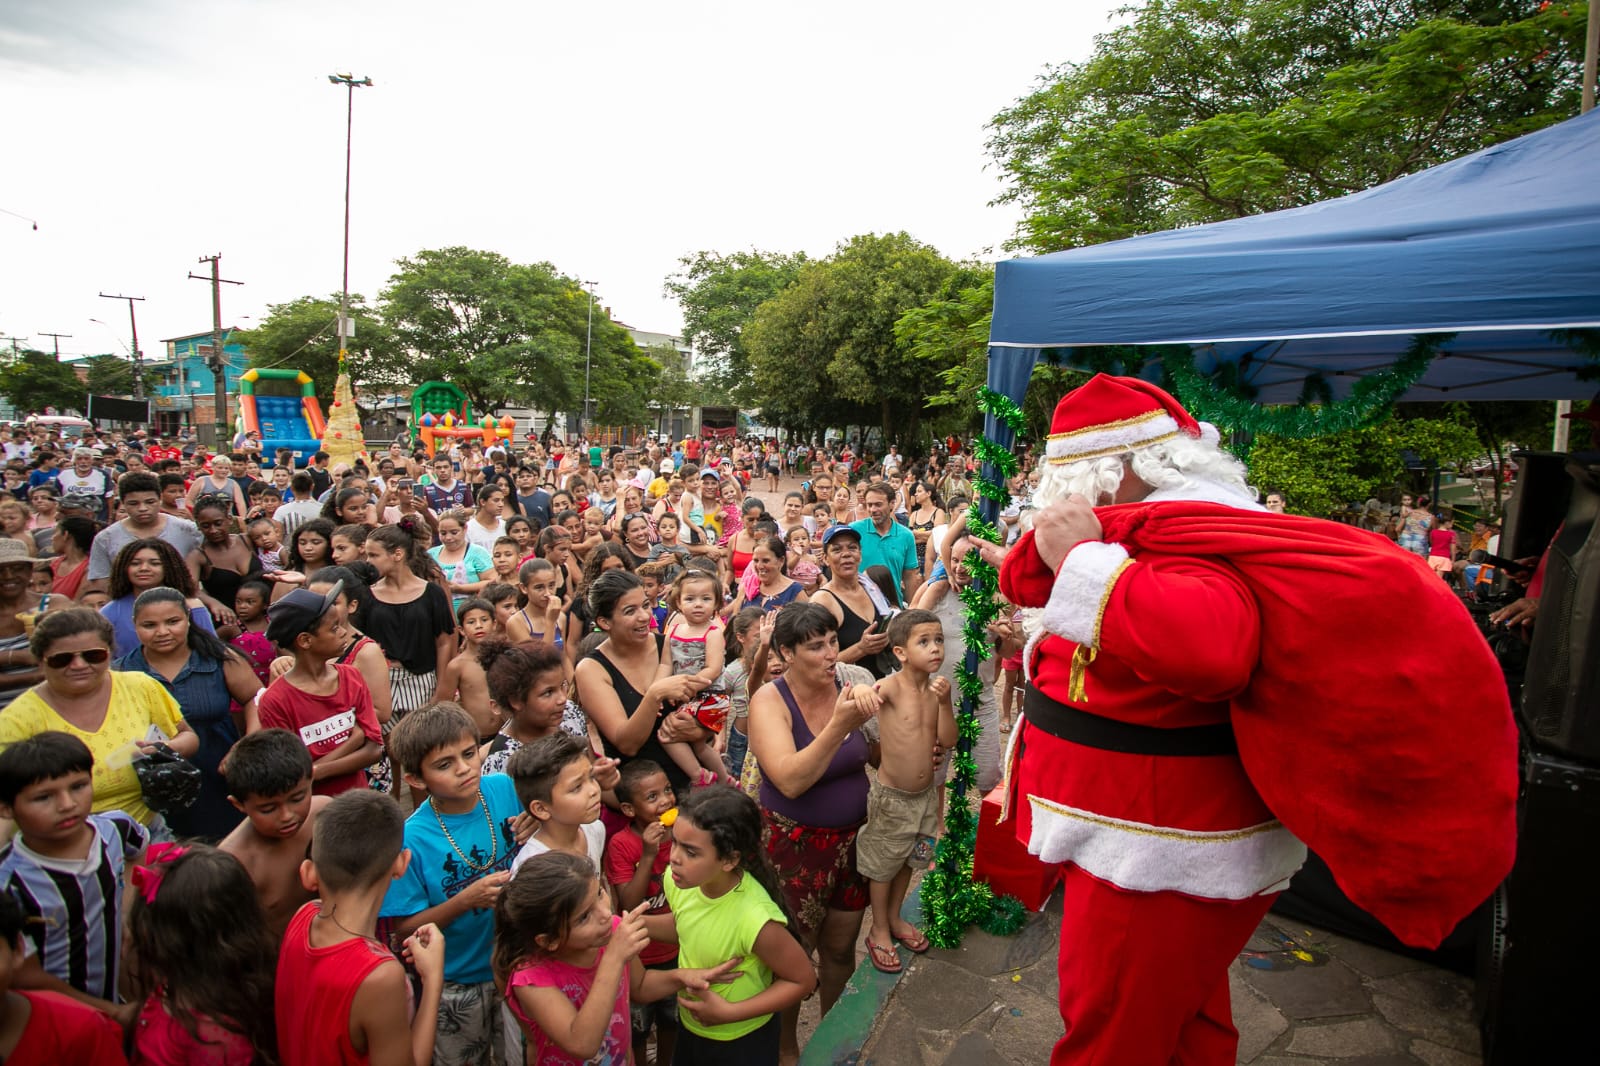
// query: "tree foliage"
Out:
[512,334]
[824,351]
[34,380]
[719,295]
[112,375]
[1198,110]
[303,334]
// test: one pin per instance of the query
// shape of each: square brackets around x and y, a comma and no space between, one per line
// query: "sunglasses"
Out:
[63,659]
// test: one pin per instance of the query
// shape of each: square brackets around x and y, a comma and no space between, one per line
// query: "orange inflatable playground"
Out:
[440,410]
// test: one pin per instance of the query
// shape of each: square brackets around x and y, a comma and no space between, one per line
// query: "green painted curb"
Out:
[843,1032]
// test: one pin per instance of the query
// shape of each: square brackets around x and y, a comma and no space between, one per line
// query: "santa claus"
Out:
[1212,688]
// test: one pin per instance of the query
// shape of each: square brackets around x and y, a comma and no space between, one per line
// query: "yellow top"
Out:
[138,701]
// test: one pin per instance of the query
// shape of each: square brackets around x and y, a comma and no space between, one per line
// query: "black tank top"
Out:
[651,749]
[851,629]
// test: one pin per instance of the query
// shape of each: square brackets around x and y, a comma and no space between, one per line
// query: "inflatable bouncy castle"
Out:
[280,418]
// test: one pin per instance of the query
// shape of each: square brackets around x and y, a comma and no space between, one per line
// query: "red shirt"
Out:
[323,722]
[62,1030]
[316,988]
[623,855]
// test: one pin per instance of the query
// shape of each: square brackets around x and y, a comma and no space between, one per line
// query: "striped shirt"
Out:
[79,902]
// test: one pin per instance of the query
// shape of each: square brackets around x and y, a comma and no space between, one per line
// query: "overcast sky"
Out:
[606,138]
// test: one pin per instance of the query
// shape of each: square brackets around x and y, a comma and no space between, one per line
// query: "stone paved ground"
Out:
[1300,997]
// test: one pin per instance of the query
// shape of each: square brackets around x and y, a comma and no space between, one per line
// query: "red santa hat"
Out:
[1111,415]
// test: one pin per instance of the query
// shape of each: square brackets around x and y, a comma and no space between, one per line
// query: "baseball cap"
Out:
[840,531]
[297,612]
[710,473]
[77,501]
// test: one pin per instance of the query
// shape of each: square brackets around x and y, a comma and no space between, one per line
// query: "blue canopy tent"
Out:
[1500,247]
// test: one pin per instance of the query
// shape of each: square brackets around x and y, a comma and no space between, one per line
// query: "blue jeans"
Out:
[738,746]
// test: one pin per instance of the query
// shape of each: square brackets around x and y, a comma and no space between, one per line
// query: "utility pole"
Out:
[219,361]
[351,84]
[138,358]
[57,338]
[588,342]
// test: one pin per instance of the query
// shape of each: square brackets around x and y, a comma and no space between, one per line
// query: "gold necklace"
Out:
[494,838]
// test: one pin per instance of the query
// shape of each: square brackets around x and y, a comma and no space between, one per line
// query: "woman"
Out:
[632,502]
[857,607]
[636,537]
[774,467]
[18,670]
[46,504]
[605,496]
[464,564]
[617,685]
[142,565]
[742,545]
[410,615]
[794,516]
[219,482]
[776,588]
[923,511]
[1415,525]
[216,690]
[844,506]
[73,537]
[806,736]
[226,559]
[109,711]
[821,490]
[486,525]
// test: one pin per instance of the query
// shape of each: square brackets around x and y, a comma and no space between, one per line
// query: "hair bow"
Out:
[146,876]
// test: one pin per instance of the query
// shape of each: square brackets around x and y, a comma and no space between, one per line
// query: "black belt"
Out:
[1106,734]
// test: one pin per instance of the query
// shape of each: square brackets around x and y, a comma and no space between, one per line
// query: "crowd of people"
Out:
[629,708]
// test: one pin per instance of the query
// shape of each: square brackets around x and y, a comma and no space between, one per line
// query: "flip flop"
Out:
[882,958]
[916,944]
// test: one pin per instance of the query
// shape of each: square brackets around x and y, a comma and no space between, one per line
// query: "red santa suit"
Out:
[1174,721]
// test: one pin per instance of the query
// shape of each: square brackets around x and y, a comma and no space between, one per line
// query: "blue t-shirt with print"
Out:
[438,872]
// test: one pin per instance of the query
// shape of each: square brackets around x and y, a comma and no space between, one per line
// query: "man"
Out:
[141,500]
[302,505]
[446,493]
[1209,688]
[891,463]
[885,542]
[19,446]
[532,501]
[82,479]
[1274,502]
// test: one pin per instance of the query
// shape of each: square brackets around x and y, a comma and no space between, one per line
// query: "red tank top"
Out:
[316,988]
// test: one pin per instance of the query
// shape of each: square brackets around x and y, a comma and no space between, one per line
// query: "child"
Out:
[506,554]
[461,850]
[654,578]
[694,647]
[269,782]
[94,599]
[266,536]
[748,637]
[250,604]
[528,683]
[205,960]
[41,579]
[464,677]
[571,965]
[346,544]
[503,598]
[539,618]
[636,859]
[45,1028]
[326,703]
[903,805]
[802,563]
[726,904]
[66,867]
[341,995]
[555,783]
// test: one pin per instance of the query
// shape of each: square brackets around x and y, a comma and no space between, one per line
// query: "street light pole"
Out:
[588,344]
[351,83]
[133,327]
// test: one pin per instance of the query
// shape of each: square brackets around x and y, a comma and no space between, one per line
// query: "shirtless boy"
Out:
[903,805]
[269,780]
[463,675]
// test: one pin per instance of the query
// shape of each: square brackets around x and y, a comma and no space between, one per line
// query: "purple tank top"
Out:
[839,798]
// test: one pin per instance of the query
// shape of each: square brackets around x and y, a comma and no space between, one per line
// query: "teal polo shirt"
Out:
[896,549]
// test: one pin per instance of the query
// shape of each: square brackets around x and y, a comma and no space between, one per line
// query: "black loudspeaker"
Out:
[1560,708]
[1536,972]
[1537,505]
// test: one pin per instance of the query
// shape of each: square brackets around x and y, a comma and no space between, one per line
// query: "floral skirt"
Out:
[816,867]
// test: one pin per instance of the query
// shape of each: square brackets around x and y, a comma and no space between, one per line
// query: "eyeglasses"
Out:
[63,659]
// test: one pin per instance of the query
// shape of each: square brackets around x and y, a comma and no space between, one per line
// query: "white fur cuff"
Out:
[1083,585]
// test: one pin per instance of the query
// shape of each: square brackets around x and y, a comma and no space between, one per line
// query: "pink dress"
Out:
[574,983]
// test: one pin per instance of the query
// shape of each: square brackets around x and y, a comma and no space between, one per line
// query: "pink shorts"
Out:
[1440,564]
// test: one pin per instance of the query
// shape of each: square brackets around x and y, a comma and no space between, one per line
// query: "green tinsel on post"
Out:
[951,899]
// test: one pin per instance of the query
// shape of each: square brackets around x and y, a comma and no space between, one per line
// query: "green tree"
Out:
[33,381]
[824,351]
[719,295]
[1200,110]
[303,334]
[112,375]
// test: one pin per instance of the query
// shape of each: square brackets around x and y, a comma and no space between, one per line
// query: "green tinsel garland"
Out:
[951,899]
[1369,400]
